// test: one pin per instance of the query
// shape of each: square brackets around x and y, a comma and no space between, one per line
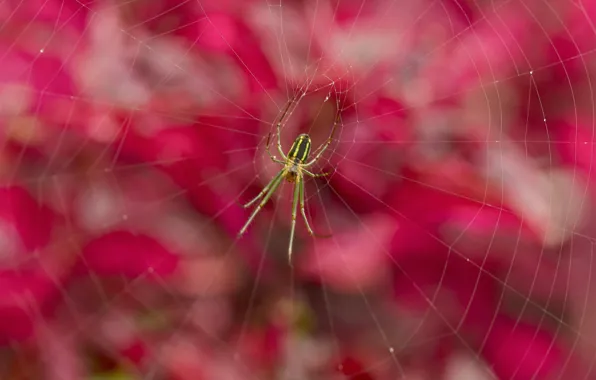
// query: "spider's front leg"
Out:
[325,146]
[281,120]
[324,174]
[279,147]
[273,158]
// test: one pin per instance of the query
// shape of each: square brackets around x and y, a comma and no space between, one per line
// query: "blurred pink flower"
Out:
[461,184]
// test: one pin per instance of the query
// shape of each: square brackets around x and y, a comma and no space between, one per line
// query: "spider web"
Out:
[459,200]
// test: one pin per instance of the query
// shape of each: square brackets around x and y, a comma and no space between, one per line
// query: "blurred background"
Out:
[460,201]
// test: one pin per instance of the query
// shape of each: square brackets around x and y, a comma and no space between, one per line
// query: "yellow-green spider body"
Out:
[295,166]
[297,156]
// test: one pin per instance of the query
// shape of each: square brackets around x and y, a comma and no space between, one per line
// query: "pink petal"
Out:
[352,368]
[466,294]
[49,12]
[578,147]
[127,254]
[136,352]
[357,257]
[225,34]
[32,221]
[364,169]
[151,15]
[47,77]
[209,275]
[490,49]
[60,353]
[262,347]
[422,203]
[183,360]
[487,233]
[520,351]
[23,299]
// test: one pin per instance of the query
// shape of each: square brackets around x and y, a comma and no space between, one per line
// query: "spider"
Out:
[295,166]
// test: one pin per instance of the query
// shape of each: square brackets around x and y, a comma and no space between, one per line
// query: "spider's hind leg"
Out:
[267,192]
[303,212]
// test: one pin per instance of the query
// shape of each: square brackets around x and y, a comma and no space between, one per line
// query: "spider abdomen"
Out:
[300,149]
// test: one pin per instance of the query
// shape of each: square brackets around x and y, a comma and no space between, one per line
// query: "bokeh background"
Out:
[460,201]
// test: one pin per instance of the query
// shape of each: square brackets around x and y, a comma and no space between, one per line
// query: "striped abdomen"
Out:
[300,149]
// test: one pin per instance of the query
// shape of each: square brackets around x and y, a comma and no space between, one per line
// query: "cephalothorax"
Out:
[295,166]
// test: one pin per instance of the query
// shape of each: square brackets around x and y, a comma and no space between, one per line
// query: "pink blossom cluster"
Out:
[461,199]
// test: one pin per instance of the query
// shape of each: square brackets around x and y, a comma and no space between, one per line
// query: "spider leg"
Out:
[264,191]
[274,184]
[297,187]
[325,146]
[324,174]
[308,227]
[279,147]
[273,158]
[282,118]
